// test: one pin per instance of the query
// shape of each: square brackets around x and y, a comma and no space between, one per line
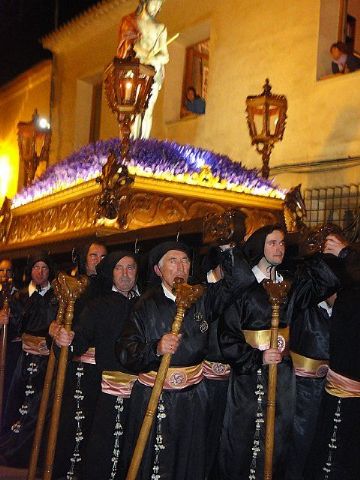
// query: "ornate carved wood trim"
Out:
[54,221]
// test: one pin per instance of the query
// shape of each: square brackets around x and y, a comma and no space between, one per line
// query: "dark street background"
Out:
[23,23]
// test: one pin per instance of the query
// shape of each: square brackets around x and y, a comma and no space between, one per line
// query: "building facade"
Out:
[241,44]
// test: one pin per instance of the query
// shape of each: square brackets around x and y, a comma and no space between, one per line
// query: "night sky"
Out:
[23,23]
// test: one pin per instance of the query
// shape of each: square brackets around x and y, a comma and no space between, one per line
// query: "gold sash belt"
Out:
[216,370]
[176,378]
[87,357]
[35,345]
[341,386]
[260,339]
[117,383]
[309,367]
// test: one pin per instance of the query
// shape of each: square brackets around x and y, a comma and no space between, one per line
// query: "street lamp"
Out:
[34,144]
[266,116]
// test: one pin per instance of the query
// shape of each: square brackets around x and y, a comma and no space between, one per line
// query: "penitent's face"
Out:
[153,7]
[274,248]
[173,264]
[5,270]
[94,256]
[124,275]
[40,273]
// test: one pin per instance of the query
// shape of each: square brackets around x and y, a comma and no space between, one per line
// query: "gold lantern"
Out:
[266,116]
[127,86]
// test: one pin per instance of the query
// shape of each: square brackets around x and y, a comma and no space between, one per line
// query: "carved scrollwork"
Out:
[142,209]
[115,182]
[5,219]
[200,209]
[294,210]
[256,218]
[172,210]
[67,218]
[146,210]
[225,228]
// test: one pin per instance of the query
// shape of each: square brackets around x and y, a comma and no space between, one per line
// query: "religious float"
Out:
[165,188]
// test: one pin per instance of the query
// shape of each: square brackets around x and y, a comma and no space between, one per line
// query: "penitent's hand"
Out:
[4,317]
[168,343]
[64,338]
[271,356]
[334,245]
[54,328]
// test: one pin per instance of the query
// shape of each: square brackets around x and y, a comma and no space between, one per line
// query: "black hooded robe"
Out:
[309,337]
[81,390]
[217,387]
[176,449]
[242,439]
[335,451]
[26,388]
[13,351]
[241,454]
[96,309]
[102,328]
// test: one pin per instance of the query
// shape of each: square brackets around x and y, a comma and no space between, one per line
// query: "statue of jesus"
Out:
[140,31]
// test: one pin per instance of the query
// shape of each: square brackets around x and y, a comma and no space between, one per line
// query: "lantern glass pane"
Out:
[259,113]
[274,114]
[39,143]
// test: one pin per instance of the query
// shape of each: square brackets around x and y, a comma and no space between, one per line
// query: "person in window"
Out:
[343,62]
[194,103]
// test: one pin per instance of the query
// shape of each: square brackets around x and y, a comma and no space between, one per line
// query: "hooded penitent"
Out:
[80,256]
[39,256]
[106,267]
[254,246]
[160,250]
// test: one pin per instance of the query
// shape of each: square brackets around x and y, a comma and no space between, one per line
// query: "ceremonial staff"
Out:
[47,387]
[277,293]
[186,295]
[72,289]
[6,289]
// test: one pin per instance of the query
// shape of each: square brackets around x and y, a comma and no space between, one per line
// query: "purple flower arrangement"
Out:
[151,158]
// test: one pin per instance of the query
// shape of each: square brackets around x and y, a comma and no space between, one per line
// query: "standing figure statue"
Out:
[140,32]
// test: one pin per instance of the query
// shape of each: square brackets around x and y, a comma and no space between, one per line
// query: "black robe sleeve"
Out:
[135,348]
[315,281]
[16,305]
[85,329]
[237,277]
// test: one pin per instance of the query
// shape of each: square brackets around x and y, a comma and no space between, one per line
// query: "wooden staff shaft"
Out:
[59,388]
[153,402]
[271,400]
[4,333]
[44,404]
